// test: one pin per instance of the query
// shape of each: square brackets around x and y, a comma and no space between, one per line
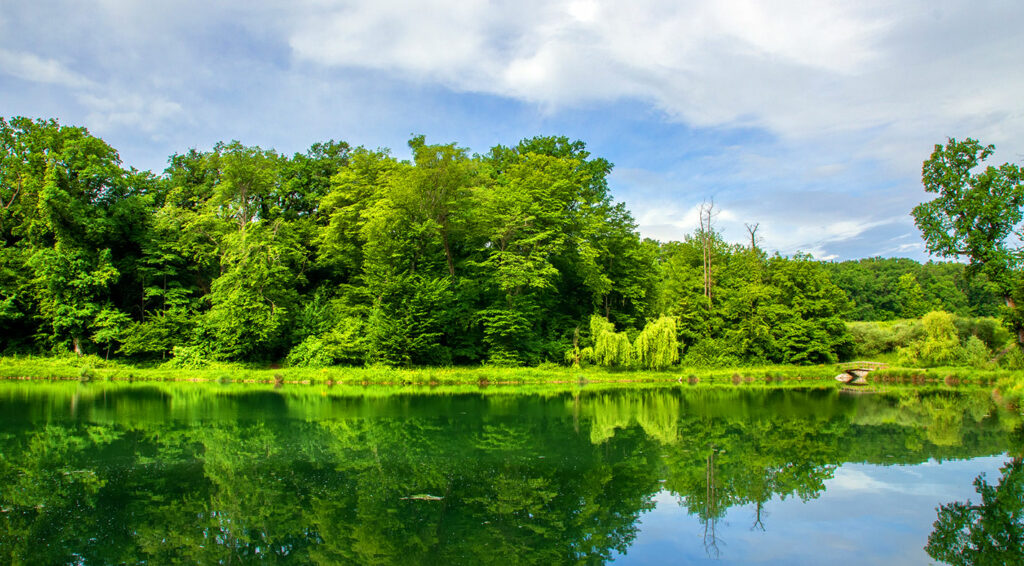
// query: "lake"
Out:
[105,473]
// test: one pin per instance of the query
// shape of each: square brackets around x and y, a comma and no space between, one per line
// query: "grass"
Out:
[89,368]
[1007,385]
[92,368]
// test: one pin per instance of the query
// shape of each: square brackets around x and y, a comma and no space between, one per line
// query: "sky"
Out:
[809,119]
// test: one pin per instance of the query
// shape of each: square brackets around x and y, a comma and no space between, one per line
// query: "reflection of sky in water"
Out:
[867,515]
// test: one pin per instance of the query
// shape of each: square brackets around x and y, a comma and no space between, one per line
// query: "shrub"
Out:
[908,332]
[1014,359]
[345,343]
[976,354]
[187,357]
[939,345]
[988,330]
[708,352]
[871,338]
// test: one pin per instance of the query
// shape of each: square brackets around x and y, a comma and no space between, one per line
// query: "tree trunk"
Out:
[77,342]
[706,238]
[448,253]
[1020,331]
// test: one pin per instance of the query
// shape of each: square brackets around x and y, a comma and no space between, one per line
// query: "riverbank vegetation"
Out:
[240,257]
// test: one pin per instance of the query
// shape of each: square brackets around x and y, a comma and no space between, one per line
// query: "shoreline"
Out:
[1005,384]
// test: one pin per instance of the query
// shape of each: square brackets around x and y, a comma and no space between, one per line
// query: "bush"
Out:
[709,352]
[871,338]
[187,357]
[345,343]
[988,330]
[1014,359]
[976,354]
[939,346]
[908,332]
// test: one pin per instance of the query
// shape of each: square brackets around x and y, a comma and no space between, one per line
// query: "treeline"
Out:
[345,255]
[894,288]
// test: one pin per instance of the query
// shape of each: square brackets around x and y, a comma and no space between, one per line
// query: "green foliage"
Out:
[711,353]
[871,339]
[187,357]
[975,214]
[656,347]
[763,310]
[976,354]
[978,339]
[990,532]
[610,348]
[892,288]
[345,343]
[910,297]
[939,345]
[112,327]
[1014,359]
[989,330]
[347,256]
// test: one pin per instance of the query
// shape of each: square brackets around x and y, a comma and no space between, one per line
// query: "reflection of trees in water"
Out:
[754,456]
[989,532]
[710,515]
[339,484]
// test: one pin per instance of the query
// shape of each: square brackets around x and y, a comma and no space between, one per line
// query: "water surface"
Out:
[106,474]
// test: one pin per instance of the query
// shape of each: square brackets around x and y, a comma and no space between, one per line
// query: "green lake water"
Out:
[205,474]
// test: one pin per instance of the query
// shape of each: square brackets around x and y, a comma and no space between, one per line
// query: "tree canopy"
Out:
[976,214]
[345,255]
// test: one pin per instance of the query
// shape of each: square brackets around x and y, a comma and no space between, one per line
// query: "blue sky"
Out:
[809,118]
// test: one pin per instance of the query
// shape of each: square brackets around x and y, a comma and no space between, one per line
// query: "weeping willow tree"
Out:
[610,348]
[657,346]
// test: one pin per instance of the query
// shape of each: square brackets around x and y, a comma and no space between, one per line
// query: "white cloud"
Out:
[811,118]
[854,478]
[31,67]
[802,70]
[132,110]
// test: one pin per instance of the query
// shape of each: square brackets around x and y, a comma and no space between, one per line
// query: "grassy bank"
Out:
[1007,385]
[92,368]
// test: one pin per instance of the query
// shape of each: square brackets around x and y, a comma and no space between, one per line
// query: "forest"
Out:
[345,255]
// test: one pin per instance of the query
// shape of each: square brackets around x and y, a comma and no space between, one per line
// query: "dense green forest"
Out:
[346,255]
[894,288]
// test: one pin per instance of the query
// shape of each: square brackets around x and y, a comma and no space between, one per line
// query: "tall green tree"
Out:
[66,223]
[974,214]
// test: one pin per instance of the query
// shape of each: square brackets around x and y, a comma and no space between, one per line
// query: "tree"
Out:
[940,344]
[657,347]
[610,348]
[910,296]
[975,213]
[706,235]
[68,213]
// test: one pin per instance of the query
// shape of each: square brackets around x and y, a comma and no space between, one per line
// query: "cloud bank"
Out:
[811,118]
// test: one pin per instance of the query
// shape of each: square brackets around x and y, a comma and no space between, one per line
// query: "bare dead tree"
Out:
[752,230]
[707,239]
